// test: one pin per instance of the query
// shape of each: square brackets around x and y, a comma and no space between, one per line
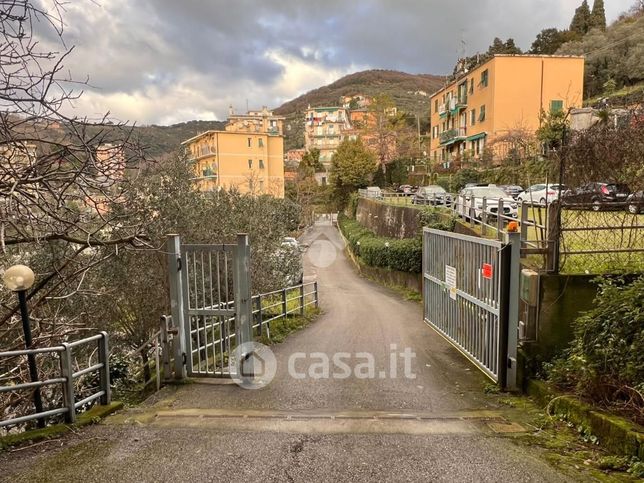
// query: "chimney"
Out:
[231,111]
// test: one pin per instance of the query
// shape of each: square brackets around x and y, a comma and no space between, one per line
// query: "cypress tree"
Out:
[581,20]
[598,15]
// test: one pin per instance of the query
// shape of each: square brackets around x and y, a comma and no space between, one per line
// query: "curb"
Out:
[614,433]
[92,416]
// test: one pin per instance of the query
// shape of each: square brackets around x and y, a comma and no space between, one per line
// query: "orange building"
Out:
[506,93]
[248,155]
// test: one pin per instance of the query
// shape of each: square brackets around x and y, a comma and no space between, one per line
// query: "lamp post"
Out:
[19,279]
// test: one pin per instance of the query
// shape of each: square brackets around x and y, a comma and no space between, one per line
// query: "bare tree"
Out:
[63,179]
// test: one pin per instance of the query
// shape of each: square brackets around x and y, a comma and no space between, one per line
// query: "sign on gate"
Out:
[471,315]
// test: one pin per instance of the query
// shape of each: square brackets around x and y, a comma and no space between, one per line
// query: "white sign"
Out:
[450,280]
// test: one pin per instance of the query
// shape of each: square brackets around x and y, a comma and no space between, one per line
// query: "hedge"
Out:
[402,255]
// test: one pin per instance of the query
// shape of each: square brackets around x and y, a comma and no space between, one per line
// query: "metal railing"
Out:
[278,304]
[66,379]
[491,216]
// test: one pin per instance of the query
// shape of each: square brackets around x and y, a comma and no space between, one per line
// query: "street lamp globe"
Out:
[18,277]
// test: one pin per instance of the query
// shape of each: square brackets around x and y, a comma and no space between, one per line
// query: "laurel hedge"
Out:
[402,255]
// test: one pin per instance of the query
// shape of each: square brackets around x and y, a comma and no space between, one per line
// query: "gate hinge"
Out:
[178,264]
[184,358]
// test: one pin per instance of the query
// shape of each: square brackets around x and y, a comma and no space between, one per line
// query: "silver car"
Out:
[471,201]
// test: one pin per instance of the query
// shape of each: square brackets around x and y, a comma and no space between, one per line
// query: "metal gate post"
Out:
[514,243]
[241,280]
[173,249]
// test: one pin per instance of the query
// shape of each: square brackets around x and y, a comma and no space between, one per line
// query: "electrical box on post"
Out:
[529,287]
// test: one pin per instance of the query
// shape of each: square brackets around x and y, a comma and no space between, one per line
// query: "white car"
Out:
[541,194]
[473,198]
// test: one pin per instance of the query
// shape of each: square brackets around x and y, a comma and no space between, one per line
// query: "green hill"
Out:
[164,140]
[410,92]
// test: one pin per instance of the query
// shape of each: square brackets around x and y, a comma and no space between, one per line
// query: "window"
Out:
[436,105]
[261,185]
[250,164]
[484,78]
[482,113]
[261,164]
[472,117]
[472,85]
[260,142]
[556,106]
[250,142]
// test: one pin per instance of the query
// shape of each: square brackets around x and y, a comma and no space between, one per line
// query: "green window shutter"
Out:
[473,117]
[482,114]
[484,78]
[556,106]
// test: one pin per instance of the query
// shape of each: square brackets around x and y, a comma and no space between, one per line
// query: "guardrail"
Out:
[66,379]
[487,214]
[279,304]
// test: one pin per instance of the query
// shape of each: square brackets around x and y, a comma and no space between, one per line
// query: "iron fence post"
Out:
[104,372]
[499,220]
[472,210]
[165,347]
[302,299]
[241,282]
[514,242]
[523,225]
[484,217]
[553,234]
[173,249]
[68,387]
[260,315]
[283,302]
[317,300]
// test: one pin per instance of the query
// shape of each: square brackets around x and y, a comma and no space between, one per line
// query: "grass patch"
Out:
[281,328]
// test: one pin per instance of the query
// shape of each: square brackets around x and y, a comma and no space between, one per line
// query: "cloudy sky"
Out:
[167,61]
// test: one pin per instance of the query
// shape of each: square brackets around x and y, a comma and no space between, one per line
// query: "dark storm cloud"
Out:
[225,49]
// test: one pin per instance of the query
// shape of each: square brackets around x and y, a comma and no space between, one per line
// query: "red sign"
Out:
[487,271]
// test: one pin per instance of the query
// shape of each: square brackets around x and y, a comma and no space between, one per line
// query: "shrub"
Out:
[605,362]
[403,255]
[431,217]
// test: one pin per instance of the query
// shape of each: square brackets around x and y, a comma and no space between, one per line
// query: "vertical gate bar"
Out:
[68,388]
[173,248]
[241,280]
[514,240]
[499,220]
[524,225]
[189,319]
[301,299]
[284,302]
[205,306]
[104,371]
[484,217]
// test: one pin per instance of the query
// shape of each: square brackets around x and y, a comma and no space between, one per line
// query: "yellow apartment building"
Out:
[507,93]
[248,155]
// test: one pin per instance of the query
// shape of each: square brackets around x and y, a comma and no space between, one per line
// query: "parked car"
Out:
[542,193]
[635,203]
[472,185]
[405,189]
[511,189]
[473,198]
[374,192]
[290,260]
[431,195]
[599,195]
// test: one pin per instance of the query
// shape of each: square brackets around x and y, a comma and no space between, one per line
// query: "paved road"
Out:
[437,426]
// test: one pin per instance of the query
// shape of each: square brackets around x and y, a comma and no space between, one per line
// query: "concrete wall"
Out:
[388,220]
[562,299]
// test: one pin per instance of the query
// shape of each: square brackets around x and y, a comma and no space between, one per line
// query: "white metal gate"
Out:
[466,296]
[210,292]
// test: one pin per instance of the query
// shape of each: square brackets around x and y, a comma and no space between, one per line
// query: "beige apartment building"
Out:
[507,93]
[248,155]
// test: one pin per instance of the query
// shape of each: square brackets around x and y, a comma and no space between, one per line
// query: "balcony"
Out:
[453,135]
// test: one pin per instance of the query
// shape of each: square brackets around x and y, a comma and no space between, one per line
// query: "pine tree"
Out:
[598,15]
[581,20]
